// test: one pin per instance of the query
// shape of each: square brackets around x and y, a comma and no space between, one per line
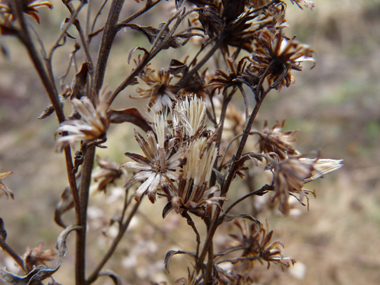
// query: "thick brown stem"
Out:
[104,50]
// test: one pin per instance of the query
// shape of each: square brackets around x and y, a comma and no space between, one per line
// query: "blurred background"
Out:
[336,107]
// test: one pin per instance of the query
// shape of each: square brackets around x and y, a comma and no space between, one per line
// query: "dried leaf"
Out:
[66,203]
[171,253]
[79,82]
[229,218]
[41,273]
[116,279]
[131,115]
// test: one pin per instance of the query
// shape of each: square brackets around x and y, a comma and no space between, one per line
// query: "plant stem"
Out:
[115,242]
[104,50]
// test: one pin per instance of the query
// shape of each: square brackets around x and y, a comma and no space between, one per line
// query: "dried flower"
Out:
[3,187]
[193,192]
[255,242]
[92,127]
[29,7]
[37,256]
[190,115]
[276,55]
[160,165]
[107,173]
[273,140]
[291,174]
[160,91]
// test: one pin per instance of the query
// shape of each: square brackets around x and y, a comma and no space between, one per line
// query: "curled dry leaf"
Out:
[131,115]
[171,253]
[41,273]
[115,278]
[66,203]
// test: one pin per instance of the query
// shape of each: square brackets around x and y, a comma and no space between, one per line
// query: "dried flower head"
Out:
[276,55]
[189,116]
[37,256]
[107,173]
[29,7]
[159,89]
[161,164]
[91,128]
[273,140]
[193,192]
[5,190]
[291,174]
[255,243]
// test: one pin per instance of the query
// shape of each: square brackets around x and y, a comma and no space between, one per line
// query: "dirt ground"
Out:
[336,107]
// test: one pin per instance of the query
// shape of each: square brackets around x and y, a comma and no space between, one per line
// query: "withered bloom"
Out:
[161,164]
[159,89]
[273,140]
[37,256]
[291,174]
[29,7]
[92,127]
[5,190]
[223,80]
[193,192]
[277,55]
[107,173]
[255,242]
[189,117]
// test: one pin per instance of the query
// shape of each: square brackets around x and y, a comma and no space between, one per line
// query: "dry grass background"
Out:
[336,106]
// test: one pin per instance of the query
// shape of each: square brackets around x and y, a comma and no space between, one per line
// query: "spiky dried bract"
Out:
[4,189]
[159,166]
[93,125]
[107,173]
[255,242]
[291,174]
[276,55]
[273,140]
[29,7]
[159,89]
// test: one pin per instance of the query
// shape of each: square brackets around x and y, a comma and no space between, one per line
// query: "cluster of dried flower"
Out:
[195,141]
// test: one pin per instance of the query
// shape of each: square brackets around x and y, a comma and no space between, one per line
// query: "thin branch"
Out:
[6,248]
[103,54]
[266,187]
[115,243]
